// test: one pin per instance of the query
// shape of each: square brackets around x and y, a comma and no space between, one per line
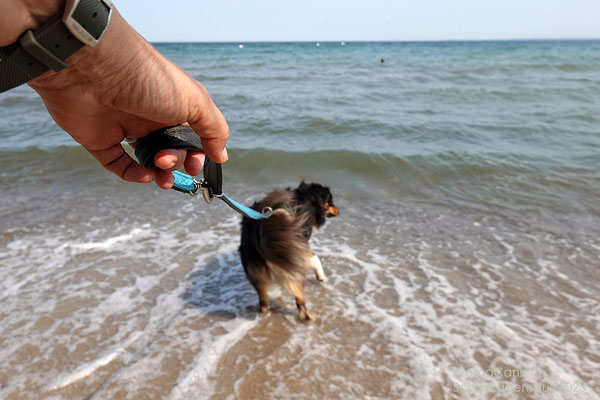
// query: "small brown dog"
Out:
[277,248]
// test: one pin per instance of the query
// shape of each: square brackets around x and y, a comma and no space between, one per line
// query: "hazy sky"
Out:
[336,20]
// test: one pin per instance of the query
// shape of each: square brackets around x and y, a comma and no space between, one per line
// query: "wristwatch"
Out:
[83,22]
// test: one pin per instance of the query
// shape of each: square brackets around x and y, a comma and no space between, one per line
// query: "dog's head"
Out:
[320,198]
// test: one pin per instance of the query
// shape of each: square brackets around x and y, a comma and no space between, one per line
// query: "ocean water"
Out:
[464,263]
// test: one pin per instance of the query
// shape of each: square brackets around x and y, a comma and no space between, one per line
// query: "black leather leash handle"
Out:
[178,137]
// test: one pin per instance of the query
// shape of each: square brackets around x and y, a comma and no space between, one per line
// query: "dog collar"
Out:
[83,22]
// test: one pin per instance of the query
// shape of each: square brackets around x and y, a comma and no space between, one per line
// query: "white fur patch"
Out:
[318,268]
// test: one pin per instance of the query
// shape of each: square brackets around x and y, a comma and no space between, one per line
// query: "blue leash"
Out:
[187,184]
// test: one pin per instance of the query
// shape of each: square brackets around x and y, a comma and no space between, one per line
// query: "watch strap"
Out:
[50,45]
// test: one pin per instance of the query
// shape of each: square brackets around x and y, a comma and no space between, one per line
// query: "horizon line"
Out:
[384,41]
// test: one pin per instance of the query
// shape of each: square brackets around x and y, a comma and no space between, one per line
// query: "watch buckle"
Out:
[79,31]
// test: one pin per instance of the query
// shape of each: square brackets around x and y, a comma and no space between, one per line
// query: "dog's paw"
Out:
[322,278]
[263,307]
[305,316]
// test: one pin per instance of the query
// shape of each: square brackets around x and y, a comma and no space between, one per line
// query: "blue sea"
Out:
[464,263]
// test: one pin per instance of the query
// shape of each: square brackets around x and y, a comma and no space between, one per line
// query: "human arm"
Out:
[121,88]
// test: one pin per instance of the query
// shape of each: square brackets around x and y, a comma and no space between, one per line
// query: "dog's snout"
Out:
[332,211]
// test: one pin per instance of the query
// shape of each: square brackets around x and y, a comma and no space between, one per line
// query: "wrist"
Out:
[20,15]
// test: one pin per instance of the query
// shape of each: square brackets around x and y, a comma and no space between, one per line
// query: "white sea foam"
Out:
[398,314]
[455,320]
[87,369]
[199,379]
[108,242]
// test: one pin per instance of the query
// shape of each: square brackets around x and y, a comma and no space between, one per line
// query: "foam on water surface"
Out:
[423,304]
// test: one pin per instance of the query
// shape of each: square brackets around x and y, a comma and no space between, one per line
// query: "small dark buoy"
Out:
[382,61]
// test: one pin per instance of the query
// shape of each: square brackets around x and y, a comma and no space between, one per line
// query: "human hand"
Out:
[122,88]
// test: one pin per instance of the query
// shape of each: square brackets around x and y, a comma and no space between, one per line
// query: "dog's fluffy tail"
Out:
[282,243]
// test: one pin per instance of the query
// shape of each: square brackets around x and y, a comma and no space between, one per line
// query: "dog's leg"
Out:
[260,278]
[263,296]
[318,268]
[303,313]
[298,292]
[296,288]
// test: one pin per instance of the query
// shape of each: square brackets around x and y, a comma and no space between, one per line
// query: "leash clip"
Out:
[207,191]
[185,184]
